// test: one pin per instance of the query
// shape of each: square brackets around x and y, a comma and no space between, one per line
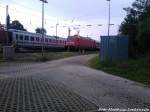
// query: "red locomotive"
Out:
[78,42]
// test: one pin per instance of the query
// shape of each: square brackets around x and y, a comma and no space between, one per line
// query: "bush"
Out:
[144,35]
[1,48]
[133,69]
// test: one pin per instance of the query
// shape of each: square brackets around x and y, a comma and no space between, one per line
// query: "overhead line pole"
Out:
[42,28]
[43,1]
[109,19]
[7,23]
[56,29]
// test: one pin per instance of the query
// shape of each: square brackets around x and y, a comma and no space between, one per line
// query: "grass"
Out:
[1,56]
[1,52]
[54,55]
[137,70]
[37,57]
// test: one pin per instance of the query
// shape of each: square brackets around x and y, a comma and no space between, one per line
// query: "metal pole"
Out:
[42,28]
[43,1]
[56,30]
[109,20]
[6,16]
[69,32]
[7,22]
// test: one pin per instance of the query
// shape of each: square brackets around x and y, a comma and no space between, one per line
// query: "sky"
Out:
[67,13]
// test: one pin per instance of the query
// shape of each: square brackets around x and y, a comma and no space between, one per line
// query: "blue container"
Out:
[114,48]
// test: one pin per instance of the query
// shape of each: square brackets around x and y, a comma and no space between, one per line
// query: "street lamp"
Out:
[109,18]
[43,1]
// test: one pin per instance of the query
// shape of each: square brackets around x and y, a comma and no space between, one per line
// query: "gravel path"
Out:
[104,90]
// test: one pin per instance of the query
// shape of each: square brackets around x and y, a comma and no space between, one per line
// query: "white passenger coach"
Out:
[26,39]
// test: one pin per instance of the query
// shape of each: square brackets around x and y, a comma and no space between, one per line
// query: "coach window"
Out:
[21,37]
[32,38]
[42,39]
[57,41]
[26,38]
[46,40]
[37,39]
[16,36]
[49,40]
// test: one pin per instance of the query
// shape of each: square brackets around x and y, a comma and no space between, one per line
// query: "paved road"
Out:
[104,90]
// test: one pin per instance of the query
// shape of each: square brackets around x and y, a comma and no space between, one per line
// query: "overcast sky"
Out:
[82,12]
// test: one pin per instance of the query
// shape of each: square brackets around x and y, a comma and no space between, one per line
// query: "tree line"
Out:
[137,26]
[18,26]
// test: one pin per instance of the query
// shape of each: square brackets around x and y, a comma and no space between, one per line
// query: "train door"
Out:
[9,36]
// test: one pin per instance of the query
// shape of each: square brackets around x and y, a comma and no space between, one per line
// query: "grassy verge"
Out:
[137,70]
[37,57]
[1,56]
[0,51]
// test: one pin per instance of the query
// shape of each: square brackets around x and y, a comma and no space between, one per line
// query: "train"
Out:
[28,40]
[79,42]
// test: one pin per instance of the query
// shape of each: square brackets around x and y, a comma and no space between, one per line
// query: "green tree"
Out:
[16,25]
[129,27]
[136,25]
[143,36]
[39,30]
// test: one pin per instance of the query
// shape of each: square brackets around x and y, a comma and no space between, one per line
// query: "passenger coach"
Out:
[23,39]
[28,40]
